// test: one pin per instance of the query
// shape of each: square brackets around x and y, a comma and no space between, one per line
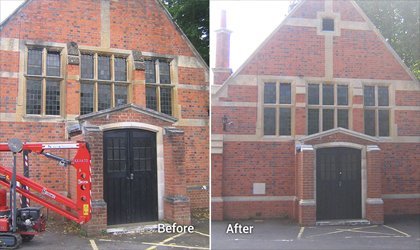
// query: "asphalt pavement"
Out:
[402,233]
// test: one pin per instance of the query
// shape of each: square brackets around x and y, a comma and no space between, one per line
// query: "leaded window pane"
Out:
[52,106]
[383,122]
[166,100]
[86,98]
[270,92]
[369,119]
[313,121]
[269,121]
[104,67]
[150,71]
[104,96]
[327,94]
[164,73]
[87,66]
[151,100]
[33,96]
[120,95]
[343,118]
[327,119]
[34,62]
[342,95]
[369,95]
[53,63]
[120,69]
[285,120]
[383,96]
[285,93]
[313,94]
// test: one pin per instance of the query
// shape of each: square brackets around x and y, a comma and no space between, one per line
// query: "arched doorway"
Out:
[338,183]
[130,176]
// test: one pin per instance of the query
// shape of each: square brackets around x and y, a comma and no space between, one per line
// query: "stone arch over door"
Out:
[120,126]
[371,172]
[363,177]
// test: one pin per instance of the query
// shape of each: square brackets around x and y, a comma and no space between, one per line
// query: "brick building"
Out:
[321,122]
[122,76]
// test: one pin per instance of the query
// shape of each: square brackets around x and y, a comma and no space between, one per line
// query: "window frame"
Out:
[277,105]
[158,85]
[95,81]
[321,106]
[376,108]
[44,78]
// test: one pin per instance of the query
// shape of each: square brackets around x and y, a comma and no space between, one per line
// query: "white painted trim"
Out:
[252,198]
[9,44]
[374,201]
[159,155]
[5,74]
[339,130]
[311,202]
[372,148]
[400,196]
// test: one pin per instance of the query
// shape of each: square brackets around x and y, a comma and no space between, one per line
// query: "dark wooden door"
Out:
[338,183]
[130,176]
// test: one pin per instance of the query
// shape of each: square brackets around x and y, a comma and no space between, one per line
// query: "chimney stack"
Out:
[222,71]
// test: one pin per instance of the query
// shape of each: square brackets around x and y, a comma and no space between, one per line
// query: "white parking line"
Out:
[396,230]
[300,232]
[162,242]
[200,233]
[93,244]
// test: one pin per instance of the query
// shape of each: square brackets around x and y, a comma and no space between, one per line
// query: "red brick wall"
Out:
[309,9]
[247,162]
[241,93]
[243,120]
[292,51]
[258,209]
[8,94]
[407,98]
[360,54]
[347,11]
[78,21]
[408,122]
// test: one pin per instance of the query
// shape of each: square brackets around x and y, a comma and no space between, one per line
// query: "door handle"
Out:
[131,177]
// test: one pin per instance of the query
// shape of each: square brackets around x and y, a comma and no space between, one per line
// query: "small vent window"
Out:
[327,24]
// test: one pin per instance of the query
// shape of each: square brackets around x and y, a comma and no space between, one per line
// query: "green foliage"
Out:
[192,16]
[399,23]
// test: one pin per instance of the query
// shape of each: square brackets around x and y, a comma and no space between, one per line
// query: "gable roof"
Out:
[160,4]
[371,26]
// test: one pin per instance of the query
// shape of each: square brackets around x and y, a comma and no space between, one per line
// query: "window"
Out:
[277,108]
[376,110]
[43,81]
[327,24]
[103,82]
[158,85]
[328,108]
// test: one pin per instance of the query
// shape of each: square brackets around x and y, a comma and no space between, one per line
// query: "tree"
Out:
[399,23]
[192,16]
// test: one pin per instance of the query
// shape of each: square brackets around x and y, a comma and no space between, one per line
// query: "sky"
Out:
[251,21]
[7,7]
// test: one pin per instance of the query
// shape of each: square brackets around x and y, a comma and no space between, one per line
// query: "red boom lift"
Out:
[17,224]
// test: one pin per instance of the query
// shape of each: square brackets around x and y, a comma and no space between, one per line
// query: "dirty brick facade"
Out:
[122,76]
[322,122]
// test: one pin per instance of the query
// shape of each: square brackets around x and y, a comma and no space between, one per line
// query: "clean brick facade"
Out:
[88,69]
[324,80]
